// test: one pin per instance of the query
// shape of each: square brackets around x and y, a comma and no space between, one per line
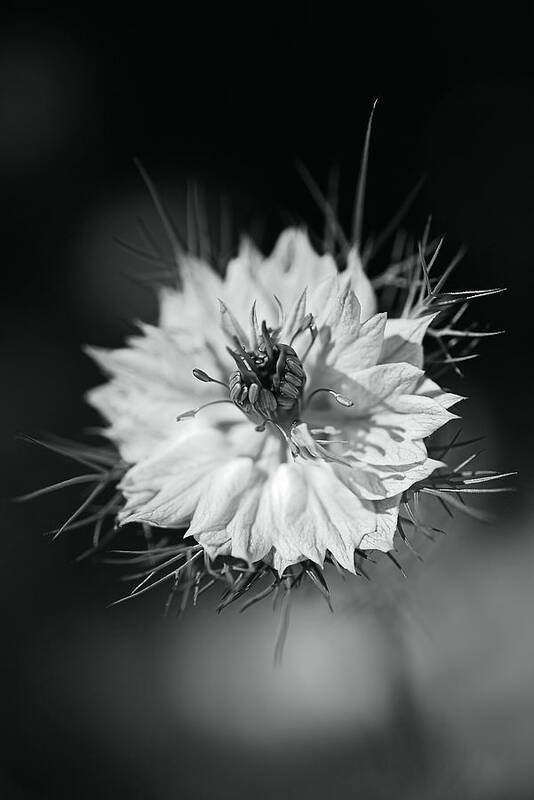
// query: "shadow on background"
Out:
[436,702]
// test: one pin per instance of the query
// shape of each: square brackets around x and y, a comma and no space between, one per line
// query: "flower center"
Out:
[269,380]
[268,386]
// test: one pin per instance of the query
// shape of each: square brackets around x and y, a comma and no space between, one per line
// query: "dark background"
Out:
[120,703]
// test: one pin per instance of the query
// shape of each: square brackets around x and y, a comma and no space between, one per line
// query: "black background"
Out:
[229,96]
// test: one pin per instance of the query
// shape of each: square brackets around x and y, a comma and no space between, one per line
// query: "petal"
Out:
[195,303]
[364,352]
[294,265]
[345,345]
[221,497]
[140,421]
[374,386]
[346,518]
[295,318]
[376,482]
[403,340]
[164,490]
[429,388]
[248,543]
[340,323]
[361,284]
[313,512]
[413,416]
[295,532]
[325,297]
[151,383]
[372,444]
[382,538]
[243,286]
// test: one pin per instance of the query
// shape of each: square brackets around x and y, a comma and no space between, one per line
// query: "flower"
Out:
[272,412]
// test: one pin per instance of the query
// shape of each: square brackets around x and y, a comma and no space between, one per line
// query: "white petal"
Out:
[413,416]
[243,286]
[346,518]
[164,490]
[403,340]
[294,264]
[295,532]
[376,482]
[344,345]
[364,352]
[429,388]
[381,446]
[339,322]
[361,284]
[151,383]
[294,318]
[373,386]
[194,305]
[221,497]
[311,512]
[140,420]
[325,297]
[247,540]
[387,512]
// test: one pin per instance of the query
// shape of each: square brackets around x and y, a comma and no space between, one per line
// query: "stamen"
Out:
[313,333]
[268,400]
[342,400]
[269,380]
[194,411]
[230,325]
[307,324]
[254,327]
[200,375]
[281,313]
[285,438]
[310,448]
[293,380]
[253,393]
[295,367]
[245,367]
[332,441]
[267,339]
[339,398]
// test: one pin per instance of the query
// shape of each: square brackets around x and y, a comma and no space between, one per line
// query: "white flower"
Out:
[326,408]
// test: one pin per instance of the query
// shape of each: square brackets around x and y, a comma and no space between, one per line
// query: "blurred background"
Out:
[418,690]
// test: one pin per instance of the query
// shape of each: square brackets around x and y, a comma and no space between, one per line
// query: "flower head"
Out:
[272,412]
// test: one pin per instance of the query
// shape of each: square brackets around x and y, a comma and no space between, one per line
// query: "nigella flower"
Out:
[272,412]
[273,422]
